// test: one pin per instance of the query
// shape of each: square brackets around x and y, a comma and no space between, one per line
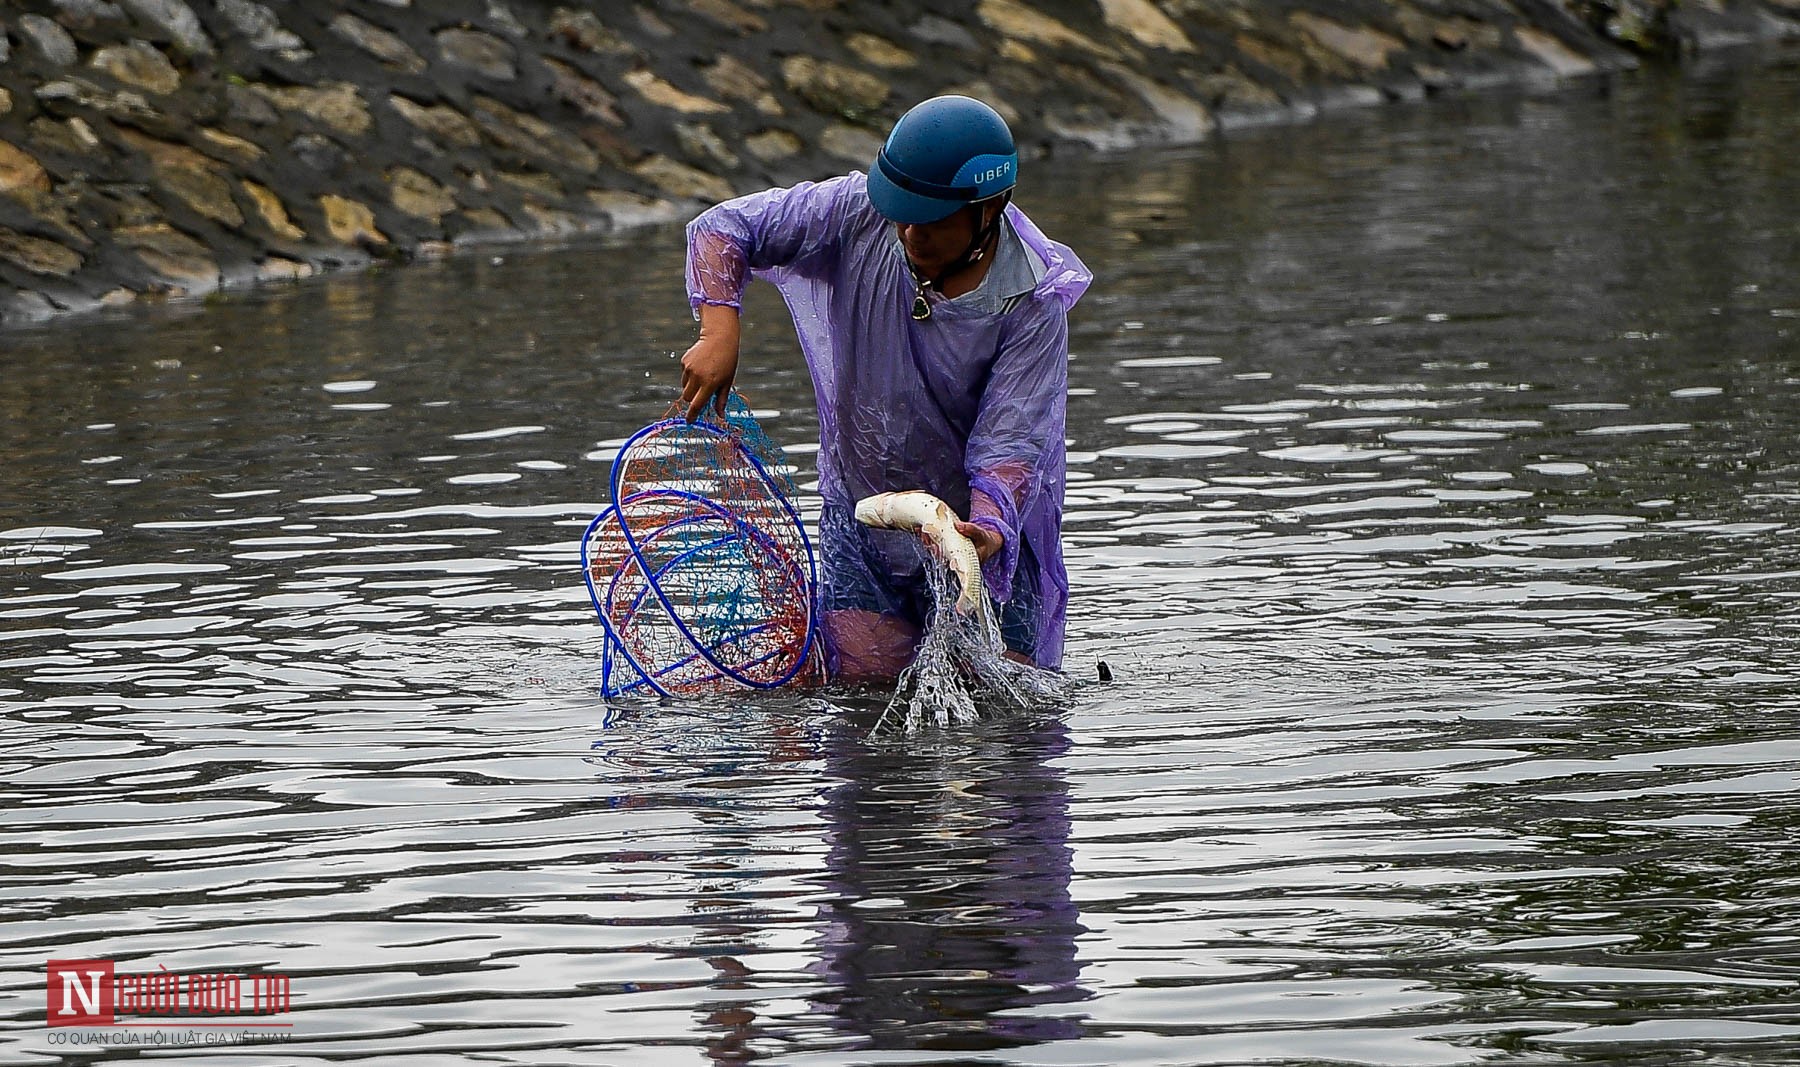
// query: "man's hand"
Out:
[710,366]
[986,541]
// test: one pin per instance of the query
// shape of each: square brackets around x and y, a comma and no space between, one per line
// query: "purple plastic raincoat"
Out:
[967,405]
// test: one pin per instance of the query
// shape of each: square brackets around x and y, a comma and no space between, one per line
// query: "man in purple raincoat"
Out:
[934,318]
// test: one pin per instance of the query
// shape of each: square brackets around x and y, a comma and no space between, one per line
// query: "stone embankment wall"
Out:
[156,148]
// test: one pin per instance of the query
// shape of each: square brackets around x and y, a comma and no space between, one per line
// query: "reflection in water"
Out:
[948,866]
[1433,496]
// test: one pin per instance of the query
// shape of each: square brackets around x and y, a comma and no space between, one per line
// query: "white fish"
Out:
[919,511]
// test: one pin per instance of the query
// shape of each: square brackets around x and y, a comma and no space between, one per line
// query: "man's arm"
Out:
[1017,443]
[710,365]
[770,229]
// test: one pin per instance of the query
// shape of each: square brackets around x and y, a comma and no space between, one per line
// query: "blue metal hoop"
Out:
[615,643]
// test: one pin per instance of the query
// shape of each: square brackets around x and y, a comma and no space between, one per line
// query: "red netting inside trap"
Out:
[700,569]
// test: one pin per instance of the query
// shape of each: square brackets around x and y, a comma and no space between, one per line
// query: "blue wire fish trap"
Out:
[700,569]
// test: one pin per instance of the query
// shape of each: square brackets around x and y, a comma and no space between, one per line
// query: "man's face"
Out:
[934,246]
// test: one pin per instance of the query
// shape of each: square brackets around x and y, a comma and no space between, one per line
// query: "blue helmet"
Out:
[946,153]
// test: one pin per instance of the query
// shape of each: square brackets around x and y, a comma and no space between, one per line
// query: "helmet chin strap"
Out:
[971,255]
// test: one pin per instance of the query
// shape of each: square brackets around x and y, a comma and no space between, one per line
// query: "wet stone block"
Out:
[482,53]
[48,40]
[388,48]
[173,257]
[37,255]
[176,20]
[258,25]
[138,64]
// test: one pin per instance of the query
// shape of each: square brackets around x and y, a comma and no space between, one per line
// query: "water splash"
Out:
[962,673]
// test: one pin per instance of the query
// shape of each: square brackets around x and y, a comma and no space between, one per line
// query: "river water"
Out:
[1434,499]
